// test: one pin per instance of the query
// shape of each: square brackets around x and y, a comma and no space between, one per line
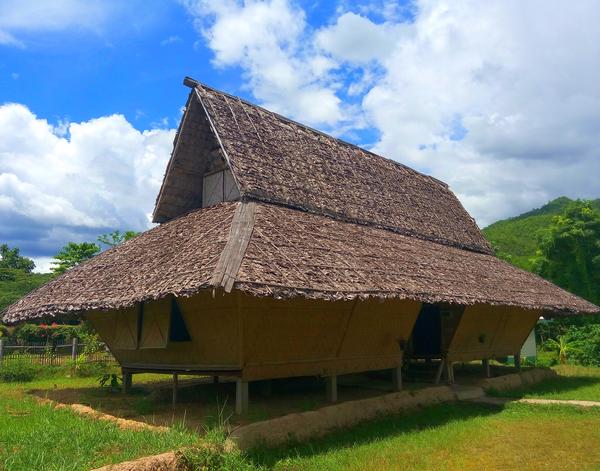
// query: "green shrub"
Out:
[546,359]
[587,340]
[3,331]
[18,370]
[84,368]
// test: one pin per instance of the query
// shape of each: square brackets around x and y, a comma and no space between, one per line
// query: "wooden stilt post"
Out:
[331,387]
[518,361]
[450,372]
[215,380]
[241,396]
[127,380]
[175,388]
[486,367]
[74,349]
[438,375]
[397,378]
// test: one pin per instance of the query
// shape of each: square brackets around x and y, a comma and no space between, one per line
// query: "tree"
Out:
[569,253]
[72,255]
[11,258]
[115,238]
[563,347]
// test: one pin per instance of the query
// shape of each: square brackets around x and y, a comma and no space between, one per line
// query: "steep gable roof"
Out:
[276,160]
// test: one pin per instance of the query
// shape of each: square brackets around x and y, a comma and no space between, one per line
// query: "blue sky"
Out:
[500,99]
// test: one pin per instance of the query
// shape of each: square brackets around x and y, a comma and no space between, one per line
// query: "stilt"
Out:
[438,375]
[175,388]
[518,361]
[127,380]
[215,380]
[331,387]
[397,378]
[450,372]
[486,367]
[241,396]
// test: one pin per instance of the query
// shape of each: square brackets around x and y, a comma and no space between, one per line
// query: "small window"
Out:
[177,330]
[218,187]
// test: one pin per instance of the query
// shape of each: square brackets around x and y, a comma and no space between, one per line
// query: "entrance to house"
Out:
[427,332]
[434,329]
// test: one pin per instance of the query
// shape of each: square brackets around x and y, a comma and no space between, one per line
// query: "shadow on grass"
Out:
[367,432]
[561,384]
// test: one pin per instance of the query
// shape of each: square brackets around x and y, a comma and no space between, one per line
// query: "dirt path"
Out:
[500,401]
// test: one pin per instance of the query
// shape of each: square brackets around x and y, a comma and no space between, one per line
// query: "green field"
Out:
[458,436]
[38,437]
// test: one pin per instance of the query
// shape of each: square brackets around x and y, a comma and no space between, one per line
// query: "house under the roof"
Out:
[282,252]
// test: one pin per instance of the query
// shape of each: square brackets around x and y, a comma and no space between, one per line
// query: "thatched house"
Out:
[284,252]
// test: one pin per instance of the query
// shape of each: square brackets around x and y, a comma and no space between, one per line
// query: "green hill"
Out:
[14,284]
[517,237]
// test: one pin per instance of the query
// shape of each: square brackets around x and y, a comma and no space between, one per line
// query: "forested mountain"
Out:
[516,239]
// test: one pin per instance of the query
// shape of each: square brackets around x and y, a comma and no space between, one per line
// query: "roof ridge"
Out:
[188,81]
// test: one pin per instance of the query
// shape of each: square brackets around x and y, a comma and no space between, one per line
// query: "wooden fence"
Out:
[47,354]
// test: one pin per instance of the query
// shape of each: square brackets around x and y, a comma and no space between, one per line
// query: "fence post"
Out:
[74,349]
[1,350]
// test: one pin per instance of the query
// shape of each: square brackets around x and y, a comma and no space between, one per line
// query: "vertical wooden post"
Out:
[438,375]
[175,388]
[1,350]
[397,378]
[518,361]
[450,372]
[486,367]
[74,349]
[127,380]
[241,396]
[331,388]
[215,380]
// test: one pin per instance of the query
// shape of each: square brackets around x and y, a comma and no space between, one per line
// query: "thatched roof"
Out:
[318,218]
[276,160]
[271,250]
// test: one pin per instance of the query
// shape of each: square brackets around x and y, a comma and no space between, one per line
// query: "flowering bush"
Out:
[47,333]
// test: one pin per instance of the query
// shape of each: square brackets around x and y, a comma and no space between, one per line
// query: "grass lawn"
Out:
[38,437]
[460,436]
[574,383]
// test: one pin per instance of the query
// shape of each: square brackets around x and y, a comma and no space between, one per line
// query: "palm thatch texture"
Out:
[318,218]
[288,253]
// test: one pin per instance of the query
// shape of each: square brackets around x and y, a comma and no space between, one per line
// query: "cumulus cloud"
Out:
[269,40]
[56,186]
[500,99]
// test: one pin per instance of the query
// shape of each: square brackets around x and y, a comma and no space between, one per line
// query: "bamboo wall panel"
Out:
[155,324]
[313,337]
[486,331]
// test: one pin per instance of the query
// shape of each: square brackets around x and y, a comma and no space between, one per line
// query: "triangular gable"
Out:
[276,160]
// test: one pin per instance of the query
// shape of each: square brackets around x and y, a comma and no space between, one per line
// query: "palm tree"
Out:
[563,347]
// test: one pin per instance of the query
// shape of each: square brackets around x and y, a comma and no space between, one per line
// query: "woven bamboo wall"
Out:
[486,331]
[270,338]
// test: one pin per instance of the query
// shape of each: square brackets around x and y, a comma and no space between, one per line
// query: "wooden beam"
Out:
[127,380]
[175,388]
[440,371]
[331,388]
[486,367]
[397,378]
[518,360]
[241,396]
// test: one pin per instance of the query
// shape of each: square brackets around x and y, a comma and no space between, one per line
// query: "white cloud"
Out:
[355,38]
[500,98]
[268,39]
[21,18]
[101,175]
